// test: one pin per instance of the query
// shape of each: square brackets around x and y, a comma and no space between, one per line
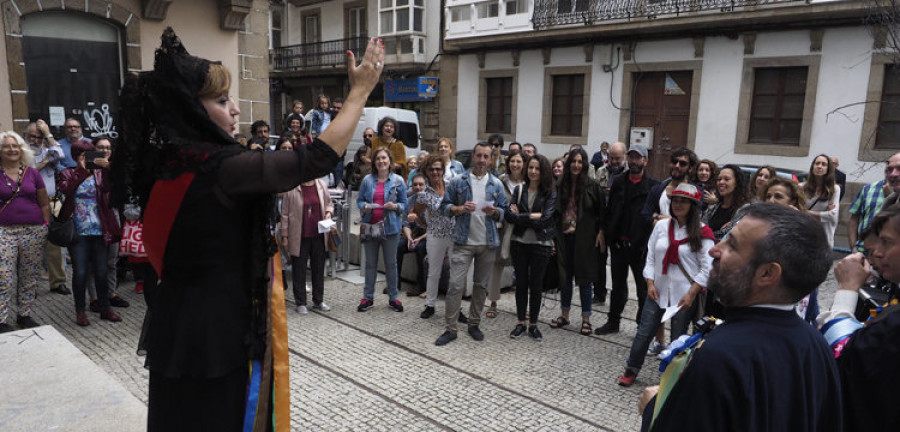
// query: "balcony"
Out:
[317,55]
[401,49]
[549,13]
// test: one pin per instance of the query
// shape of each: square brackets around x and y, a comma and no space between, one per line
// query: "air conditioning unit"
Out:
[642,135]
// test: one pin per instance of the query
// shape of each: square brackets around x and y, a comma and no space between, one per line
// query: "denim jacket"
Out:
[394,191]
[459,191]
[320,121]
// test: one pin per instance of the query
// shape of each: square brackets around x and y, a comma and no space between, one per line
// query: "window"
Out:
[776,116]
[275,34]
[397,16]
[489,9]
[498,112]
[356,30]
[566,112]
[777,105]
[460,13]
[572,6]
[311,28]
[888,134]
[516,7]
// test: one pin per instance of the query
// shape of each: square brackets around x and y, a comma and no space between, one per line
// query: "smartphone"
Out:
[89,157]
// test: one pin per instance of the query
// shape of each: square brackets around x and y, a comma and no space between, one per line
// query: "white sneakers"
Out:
[302,310]
[322,307]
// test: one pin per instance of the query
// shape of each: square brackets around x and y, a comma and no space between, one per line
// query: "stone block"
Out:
[19,105]
[255,67]
[133,57]
[11,19]
[28,6]
[253,44]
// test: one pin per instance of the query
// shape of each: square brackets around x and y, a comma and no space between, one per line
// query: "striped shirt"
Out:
[866,205]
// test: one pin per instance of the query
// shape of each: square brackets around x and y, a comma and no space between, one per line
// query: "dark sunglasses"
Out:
[679,162]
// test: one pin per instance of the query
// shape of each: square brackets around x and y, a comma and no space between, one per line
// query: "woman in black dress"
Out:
[216,340]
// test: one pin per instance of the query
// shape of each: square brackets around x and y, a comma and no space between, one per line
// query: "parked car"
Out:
[795,175]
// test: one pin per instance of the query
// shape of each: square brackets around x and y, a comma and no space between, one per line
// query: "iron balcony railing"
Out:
[548,13]
[318,54]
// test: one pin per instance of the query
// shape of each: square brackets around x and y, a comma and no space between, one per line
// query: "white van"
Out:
[408,130]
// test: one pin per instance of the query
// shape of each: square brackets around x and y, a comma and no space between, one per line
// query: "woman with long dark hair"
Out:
[676,270]
[732,192]
[823,195]
[531,216]
[580,210]
[217,335]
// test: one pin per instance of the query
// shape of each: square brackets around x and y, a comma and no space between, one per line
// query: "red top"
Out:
[378,198]
[312,211]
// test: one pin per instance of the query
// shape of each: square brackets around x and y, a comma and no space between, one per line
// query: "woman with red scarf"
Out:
[678,264]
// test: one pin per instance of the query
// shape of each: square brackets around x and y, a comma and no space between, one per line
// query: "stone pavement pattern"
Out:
[380,370]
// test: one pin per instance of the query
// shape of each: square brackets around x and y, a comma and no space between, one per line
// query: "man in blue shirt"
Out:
[73,134]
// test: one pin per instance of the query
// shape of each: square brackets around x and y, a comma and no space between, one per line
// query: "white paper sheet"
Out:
[670,312]
[325,226]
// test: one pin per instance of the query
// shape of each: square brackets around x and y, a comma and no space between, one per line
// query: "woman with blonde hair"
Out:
[24,216]
[452,167]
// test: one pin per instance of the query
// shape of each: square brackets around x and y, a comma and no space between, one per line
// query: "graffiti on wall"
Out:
[100,122]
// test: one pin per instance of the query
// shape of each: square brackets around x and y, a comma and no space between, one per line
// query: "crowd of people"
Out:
[706,241]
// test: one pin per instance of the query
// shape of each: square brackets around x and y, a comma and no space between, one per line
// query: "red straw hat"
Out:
[687,190]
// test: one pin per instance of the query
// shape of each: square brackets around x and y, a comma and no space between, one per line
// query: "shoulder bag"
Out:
[61,233]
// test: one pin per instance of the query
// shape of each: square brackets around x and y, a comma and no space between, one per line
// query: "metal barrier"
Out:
[340,260]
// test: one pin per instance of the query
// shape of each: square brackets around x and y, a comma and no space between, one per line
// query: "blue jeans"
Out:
[388,249]
[650,317]
[89,251]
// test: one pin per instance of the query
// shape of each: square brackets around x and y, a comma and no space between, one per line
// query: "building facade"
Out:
[310,39]
[763,82]
[68,58]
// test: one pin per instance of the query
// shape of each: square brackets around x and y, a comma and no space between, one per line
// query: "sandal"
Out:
[492,311]
[559,322]
[586,328]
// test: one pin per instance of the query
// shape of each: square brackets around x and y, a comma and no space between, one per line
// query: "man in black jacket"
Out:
[627,235]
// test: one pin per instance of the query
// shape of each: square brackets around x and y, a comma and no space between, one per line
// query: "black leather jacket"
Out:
[544,203]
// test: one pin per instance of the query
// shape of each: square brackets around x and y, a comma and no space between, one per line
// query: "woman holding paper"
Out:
[303,207]
[677,267]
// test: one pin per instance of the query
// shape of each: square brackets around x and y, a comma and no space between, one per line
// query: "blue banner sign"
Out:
[407,90]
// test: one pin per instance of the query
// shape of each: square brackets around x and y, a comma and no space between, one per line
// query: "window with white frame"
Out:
[275,28]
[399,16]
[516,7]
[488,9]
[460,13]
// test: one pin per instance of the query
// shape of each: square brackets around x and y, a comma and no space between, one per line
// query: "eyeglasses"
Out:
[679,162]
[35,136]
[73,127]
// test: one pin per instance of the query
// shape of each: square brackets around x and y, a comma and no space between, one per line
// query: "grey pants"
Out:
[461,258]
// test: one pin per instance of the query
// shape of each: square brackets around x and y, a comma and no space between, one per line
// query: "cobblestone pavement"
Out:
[380,370]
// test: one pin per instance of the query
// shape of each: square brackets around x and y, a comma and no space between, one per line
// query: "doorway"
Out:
[73,69]
[662,101]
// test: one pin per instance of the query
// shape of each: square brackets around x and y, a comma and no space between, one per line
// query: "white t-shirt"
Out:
[477,228]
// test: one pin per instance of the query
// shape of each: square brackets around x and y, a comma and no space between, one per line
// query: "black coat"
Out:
[626,200]
[590,220]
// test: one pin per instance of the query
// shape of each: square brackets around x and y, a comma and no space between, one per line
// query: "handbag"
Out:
[132,243]
[371,232]
[61,233]
[508,231]
[334,240]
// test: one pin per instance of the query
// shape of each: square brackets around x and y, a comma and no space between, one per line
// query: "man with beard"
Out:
[867,354]
[627,235]
[682,162]
[764,369]
[870,200]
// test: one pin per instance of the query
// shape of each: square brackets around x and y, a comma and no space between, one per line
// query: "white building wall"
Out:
[843,79]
